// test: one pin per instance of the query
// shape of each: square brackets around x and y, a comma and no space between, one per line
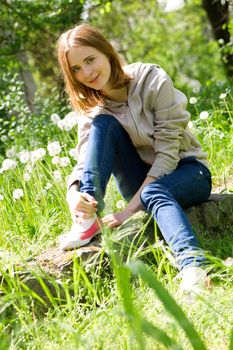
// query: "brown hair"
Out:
[84,98]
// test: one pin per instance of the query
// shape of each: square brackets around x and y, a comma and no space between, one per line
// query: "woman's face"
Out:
[90,67]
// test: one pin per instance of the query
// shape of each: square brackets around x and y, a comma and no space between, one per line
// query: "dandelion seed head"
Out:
[190,124]
[18,193]
[57,175]
[204,115]
[11,153]
[48,186]
[64,161]
[221,41]
[61,124]
[120,204]
[54,148]
[221,135]
[222,96]
[4,138]
[28,168]
[38,154]
[70,120]
[73,153]
[55,118]
[8,164]
[27,176]
[193,100]
[24,156]
[1,197]
[56,160]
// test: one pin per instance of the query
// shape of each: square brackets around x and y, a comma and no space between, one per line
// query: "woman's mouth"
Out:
[94,80]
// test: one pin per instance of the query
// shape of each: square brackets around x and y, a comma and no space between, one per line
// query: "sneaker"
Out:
[80,234]
[194,280]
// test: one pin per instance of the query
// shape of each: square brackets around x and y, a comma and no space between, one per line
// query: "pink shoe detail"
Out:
[93,230]
[79,234]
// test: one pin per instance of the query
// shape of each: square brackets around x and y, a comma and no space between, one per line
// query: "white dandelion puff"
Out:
[204,115]
[8,164]
[61,124]
[11,153]
[190,124]
[120,204]
[55,118]
[70,120]
[54,148]
[221,41]
[64,161]
[222,96]
[56,160]
[73,153]
[4,138]
[18,193]
[57,175]
[193,100]
[48,186]
[24,156]
[27,176]
[38,154]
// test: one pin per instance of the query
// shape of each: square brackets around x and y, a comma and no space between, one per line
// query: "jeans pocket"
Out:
[206,172]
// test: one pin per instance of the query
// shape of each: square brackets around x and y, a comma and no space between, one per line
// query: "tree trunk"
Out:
[26,76]
[218,14]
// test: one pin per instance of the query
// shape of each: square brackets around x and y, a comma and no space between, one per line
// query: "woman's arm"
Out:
[116,219]
[170,120]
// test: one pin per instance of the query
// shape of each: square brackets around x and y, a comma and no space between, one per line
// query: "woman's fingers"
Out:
[83,214]
[89,199]
[86,204]
[110,220]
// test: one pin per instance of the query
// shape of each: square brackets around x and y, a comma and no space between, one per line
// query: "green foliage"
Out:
[17,121]
[179,41]
[22,30]
[13,109]
[91,309]
[169,303]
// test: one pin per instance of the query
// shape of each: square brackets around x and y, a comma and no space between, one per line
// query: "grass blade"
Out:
[169,303]
[159,335]
[231,340]
[138,324]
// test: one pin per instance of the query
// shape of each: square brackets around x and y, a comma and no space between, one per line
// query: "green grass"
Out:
[129,305]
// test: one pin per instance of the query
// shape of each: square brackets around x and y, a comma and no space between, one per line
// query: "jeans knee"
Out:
[152,194]
[104,120]
[107,124]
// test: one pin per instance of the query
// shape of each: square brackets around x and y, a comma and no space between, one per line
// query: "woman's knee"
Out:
[154,193]
[107,124]
[105,120]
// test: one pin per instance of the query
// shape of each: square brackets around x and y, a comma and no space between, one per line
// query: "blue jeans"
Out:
[110,151]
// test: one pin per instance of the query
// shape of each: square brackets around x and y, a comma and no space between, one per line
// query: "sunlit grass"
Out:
[101,308]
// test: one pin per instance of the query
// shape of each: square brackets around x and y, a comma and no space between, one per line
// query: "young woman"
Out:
[134,125]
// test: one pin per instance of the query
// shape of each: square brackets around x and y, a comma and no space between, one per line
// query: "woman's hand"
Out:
[82,205]
[116,219]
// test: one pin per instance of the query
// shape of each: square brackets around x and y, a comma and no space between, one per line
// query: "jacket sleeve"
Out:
[171,118]
[84,125]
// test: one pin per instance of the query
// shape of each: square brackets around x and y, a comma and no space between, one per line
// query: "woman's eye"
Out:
[75,69]
[90,60]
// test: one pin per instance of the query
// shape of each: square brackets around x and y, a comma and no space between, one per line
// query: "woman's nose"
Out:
[86,71]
